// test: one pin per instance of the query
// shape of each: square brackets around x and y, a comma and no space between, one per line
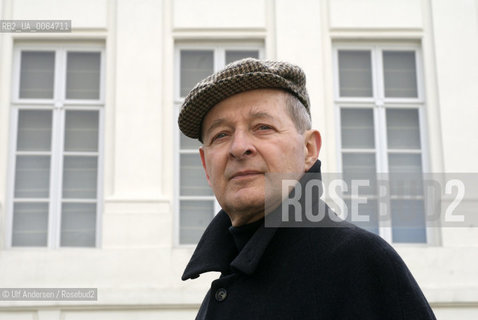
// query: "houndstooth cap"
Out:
[237,77]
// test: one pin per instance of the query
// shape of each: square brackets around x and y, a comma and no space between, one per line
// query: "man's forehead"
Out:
[260,104]
[250,113]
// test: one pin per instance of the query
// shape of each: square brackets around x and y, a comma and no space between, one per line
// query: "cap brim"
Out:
[207,96]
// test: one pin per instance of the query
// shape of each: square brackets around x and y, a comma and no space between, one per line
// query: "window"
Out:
[380,112]
[57,111]
[196,201]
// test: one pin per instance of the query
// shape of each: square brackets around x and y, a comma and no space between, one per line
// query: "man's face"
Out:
[246,136]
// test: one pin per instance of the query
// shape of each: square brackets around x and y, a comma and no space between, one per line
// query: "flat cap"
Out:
[237,77]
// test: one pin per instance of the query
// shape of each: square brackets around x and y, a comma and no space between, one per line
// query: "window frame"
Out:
[58,106]
[59,87]
[379,104]
[219,49]
[377,72]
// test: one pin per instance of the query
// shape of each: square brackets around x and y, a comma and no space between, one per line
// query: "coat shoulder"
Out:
[362,251]
[370,270]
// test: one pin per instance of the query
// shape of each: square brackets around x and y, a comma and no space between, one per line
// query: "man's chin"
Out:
[245,205]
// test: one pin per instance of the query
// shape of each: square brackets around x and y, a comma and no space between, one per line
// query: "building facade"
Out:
[98,188]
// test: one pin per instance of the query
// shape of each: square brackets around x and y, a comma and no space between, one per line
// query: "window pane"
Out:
[34,130]
[355,74]
[32,177]
[195,66]
[359,163]
[188,143]
[357,128]
[408,221]
[37,72]
[233,55]
[80,177]
[399,74]
[81,131]
[359,166]
[30,224]
[193,180]
[405,174]
[403,129]
[366,210]
[83,75]
[194,218]
[78,225]
[405,163]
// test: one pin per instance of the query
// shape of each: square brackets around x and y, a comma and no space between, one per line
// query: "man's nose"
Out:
[242,145]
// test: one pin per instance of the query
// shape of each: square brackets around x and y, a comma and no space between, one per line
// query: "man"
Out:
[253,119]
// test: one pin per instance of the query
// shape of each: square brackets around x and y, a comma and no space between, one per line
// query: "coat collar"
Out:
[216,251]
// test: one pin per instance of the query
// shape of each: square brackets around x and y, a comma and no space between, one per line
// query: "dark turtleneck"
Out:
[242,234]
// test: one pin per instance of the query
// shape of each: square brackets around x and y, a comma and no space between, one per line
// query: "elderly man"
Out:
[253,119]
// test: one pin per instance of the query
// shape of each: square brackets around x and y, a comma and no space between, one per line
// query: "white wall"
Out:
[455,34]
[137,268]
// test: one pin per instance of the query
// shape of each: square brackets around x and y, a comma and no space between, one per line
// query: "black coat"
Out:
[340,272]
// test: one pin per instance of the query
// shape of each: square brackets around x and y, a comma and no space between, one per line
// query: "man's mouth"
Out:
[245,174]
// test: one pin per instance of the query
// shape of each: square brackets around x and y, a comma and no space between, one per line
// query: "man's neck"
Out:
[238,220]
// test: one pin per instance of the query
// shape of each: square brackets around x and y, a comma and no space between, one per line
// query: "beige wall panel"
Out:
[83,267]
[137,230]
[298,37]
[462,313]
[138,100]
[457,72]
[454,267]
[173,314]
[129,224]
[219,14]
[82,13]
[375,14]
[20,315]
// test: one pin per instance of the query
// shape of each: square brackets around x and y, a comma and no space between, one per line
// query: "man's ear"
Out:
[312,144]
[203,161]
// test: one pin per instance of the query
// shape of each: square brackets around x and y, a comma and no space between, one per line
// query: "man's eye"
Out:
[219,136]
[264,127]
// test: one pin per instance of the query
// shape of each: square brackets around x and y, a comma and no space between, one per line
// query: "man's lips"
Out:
[245,174]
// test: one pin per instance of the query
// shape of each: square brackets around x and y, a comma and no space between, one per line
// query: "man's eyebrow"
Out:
[216,123]
[260,115]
